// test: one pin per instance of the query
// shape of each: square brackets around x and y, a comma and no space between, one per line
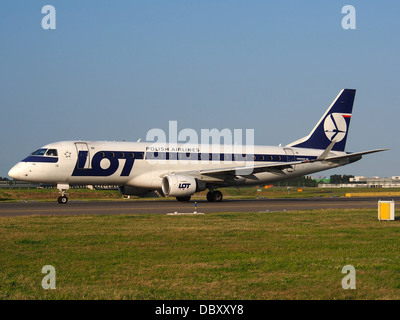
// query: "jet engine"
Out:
[181,186]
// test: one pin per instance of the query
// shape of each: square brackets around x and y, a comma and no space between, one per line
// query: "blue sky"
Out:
[114,70]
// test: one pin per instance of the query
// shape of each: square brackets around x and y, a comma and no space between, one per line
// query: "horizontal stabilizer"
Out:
[351,156]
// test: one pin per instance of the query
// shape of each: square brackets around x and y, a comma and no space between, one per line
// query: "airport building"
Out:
[365,182]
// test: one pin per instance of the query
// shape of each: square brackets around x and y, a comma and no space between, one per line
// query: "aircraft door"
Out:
[290,157]
[83,155]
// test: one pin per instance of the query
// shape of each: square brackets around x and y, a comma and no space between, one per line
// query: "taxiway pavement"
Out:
[164,207]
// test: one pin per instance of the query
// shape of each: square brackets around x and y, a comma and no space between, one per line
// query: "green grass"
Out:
[13,195]
[277,255]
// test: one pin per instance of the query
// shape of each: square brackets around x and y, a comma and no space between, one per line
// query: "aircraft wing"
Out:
[223,174]
[231,173]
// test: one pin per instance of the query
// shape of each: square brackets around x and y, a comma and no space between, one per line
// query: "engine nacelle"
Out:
[135,191]
[181,186]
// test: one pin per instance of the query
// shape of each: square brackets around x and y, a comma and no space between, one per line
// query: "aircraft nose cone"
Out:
[15,172]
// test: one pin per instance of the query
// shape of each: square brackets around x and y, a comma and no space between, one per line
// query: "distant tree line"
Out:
[4,179]
[308,181]
[305,181]
[340,179]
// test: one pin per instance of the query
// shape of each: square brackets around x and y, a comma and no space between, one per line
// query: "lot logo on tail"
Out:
[335,126]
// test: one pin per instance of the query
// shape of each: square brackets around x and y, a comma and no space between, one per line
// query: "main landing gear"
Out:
[63,199]
[214,196]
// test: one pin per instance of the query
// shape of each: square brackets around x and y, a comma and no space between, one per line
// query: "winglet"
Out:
[324,154]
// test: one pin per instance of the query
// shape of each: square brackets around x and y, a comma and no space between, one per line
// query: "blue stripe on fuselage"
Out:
[225,157]
[41,159]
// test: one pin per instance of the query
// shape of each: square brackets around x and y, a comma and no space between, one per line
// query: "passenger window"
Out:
[52,153]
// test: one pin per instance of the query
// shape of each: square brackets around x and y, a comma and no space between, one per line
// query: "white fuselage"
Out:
[143,165]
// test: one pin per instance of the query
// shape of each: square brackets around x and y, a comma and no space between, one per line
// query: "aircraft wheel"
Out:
[183,198]
[62,199]
[214,196]
[217,196]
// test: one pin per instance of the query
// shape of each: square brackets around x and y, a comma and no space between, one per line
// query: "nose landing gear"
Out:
[63,199]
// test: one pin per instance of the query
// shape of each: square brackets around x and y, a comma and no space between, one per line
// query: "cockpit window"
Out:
[40,152]
[45,152]
[52,153]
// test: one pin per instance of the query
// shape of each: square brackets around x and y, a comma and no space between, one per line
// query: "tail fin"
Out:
[333,126]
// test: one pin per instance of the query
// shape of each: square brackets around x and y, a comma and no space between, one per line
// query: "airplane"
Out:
[142,168]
